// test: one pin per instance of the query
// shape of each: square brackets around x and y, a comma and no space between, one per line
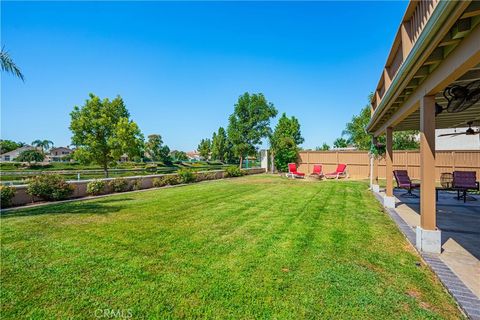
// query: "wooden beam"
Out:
[422,72]
[389,162]
[435,57]
[465,56]
[406,36]
[428,220]
[378,128]
[472,10]
[461,28]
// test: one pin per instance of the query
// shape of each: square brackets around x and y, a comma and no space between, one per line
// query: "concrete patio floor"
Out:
[460,226]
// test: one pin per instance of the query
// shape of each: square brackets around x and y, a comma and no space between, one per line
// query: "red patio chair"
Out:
[317,171]
[404,182]
[341,172]
[463,181]
[293,173]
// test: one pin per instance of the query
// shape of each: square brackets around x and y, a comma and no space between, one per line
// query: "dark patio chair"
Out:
[404,182]
[464,181]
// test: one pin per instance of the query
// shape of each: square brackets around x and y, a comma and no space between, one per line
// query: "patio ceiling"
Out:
[450,56]
[445,119]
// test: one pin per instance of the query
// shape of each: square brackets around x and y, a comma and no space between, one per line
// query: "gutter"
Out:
[439,15]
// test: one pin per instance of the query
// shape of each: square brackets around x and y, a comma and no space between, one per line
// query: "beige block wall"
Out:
[358,162]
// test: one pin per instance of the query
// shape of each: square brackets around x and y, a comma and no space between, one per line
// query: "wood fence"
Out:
[358,162]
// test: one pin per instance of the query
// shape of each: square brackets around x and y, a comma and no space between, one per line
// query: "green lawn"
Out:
[253,247]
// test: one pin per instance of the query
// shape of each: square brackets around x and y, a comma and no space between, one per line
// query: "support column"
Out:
[428,236]
[374,178]
[389,199]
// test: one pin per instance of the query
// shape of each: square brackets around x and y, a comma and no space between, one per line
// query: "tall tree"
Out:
[178,155]
[249,123]
[8,65]
[9,145]
[357,135]
[204,148]
[156,150]
[340,143]
[220,145]
[43,144]
[102,132]
[30,156]
[284,142]
[324,147]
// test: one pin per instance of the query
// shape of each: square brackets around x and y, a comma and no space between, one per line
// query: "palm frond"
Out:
[8,65]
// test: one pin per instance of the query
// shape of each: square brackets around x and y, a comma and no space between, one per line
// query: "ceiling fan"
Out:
[459,98]
[468,132]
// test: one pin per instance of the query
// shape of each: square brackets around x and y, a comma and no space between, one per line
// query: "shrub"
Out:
[137,184]
[49,187]
[119,185]
[186,175]
[96,187]
[172,180]
[159,182]
[206,176]
[7,194]
[233,171]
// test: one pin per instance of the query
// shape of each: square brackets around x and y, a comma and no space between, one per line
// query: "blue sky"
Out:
[180,67]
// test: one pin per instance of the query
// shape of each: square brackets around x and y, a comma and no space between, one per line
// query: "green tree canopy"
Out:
[9,145]
[324,147]
[102,132]
[178,155]
[220,145]
[249,123]
[30,156]
[284,142]
[340,143]
[156,150]
[8,65]
[204,148]
[357,135]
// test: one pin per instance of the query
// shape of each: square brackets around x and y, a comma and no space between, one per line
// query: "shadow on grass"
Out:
[103,206]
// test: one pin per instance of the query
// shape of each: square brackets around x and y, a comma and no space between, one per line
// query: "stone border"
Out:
[466,299]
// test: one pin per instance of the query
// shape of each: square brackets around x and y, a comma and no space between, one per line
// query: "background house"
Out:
[10,156]
[193,155]
[57,154]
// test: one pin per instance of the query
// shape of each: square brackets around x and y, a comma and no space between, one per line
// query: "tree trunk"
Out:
[241,160]
[105,170]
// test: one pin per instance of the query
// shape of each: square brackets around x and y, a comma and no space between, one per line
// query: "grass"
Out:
[252,247]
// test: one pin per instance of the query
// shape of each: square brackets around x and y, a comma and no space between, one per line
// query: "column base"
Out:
[429,241]
[375,188]
[389,202]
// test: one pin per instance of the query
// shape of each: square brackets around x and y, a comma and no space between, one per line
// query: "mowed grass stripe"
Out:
[253,247]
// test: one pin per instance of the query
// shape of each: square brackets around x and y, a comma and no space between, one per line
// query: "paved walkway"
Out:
[458,266]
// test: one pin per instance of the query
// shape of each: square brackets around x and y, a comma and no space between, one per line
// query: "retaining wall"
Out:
[80,187]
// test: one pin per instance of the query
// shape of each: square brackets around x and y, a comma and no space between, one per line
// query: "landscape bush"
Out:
[159,182]
[49,187]
[137,184]
[172,180]
[186,175]
[6,195]
[96,187]
[119,185]
[233,171]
